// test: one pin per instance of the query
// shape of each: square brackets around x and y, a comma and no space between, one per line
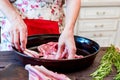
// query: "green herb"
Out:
[105,65]
[116,62]
[111,57]
[117,77]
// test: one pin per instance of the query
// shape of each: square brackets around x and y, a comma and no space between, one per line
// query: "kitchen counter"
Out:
[14,70]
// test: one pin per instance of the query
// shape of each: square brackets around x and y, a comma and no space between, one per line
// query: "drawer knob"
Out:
[100,13]
[94,35]
[99,35]
[99,26]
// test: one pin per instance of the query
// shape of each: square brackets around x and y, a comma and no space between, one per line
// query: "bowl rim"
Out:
[24,55]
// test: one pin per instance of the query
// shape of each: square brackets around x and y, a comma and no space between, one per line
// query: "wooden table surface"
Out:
[15,71]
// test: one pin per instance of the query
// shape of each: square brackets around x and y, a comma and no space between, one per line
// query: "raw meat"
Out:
[41,73]
[31,53]
[35,73]
[51,73]
[48,51]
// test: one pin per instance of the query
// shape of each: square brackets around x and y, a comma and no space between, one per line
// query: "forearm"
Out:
[9,11]
[72,12]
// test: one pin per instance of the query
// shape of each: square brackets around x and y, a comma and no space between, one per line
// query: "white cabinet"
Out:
[100,23]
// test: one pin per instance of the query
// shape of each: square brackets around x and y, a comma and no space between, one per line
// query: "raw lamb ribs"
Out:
[48,51]
[41,73]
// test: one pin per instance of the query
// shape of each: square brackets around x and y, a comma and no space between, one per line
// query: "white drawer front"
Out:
[103,38]
[104,41]
[98,34]
[100,12]
[97,25]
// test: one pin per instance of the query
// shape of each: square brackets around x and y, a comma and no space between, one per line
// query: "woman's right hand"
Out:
[18,33]
[18,29]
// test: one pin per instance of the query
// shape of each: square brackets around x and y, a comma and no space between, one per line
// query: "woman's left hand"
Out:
[66,44]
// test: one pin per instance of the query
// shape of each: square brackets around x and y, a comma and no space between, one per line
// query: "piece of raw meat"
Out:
[51,73]
[31,53]
[41,73]
[48,51]
[32,70]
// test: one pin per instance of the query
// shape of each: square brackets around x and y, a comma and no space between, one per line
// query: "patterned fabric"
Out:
[32,9]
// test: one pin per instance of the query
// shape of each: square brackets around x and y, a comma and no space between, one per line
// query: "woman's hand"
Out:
[18,33]
[18,29]
[66,40]
[66,44]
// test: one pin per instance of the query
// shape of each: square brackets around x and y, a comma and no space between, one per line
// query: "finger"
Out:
[71,52]
[64,54]
[23,39]
[12,38]
[16,40]
[60,51]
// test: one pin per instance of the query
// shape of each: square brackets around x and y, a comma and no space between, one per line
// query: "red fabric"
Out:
[38,26]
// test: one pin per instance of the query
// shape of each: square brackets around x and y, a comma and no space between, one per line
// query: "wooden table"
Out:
[15,71]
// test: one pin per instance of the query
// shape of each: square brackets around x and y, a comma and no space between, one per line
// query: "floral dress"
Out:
[32,9]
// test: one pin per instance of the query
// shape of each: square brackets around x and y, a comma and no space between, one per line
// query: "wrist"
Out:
[14,17]
[69,28]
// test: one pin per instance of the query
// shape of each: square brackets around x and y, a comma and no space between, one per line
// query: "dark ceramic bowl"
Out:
[86,47]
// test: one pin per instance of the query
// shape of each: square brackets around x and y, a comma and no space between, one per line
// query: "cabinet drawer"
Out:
[97,25]
[104,41]
[100,12]
[98,34]
[103,38]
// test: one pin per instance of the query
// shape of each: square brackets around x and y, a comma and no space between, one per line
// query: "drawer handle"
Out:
[100,13]
[101,26]
[99,35]
[94,35]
